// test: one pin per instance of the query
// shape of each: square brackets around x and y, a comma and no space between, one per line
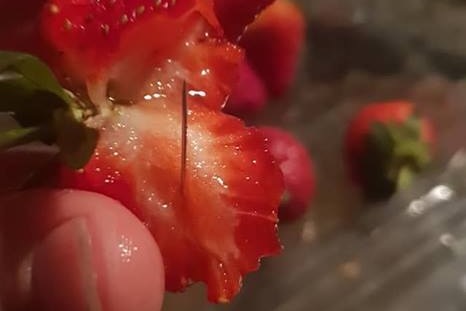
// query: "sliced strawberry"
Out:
[128,58]
[236,15]
[111,47]
[223,221]
[273,44]
[211,70]
[95,27]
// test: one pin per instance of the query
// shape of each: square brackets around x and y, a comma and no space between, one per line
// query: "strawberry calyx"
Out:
[44,110]
[394,154]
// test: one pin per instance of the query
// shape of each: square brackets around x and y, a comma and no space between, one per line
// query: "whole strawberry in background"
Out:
[386,145]
[273,43]
[298,172]
[249,96]
[149,79]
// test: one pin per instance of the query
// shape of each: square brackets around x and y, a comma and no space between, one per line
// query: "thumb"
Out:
[71,250]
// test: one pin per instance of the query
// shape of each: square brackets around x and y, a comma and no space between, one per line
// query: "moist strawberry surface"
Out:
[113,47]
[224,220]
[213,209]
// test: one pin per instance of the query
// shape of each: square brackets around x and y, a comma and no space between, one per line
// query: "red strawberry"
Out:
[273,43]
[236,15]
[226,219]
[212,209]
[298,172]
[386,144]
[113,47]
[249,95]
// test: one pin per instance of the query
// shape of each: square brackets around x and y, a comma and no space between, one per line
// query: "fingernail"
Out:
[63,274]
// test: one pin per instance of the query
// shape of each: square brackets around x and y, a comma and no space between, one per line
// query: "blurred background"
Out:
[405,253]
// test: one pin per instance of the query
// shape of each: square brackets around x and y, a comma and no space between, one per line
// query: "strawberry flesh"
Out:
[97,25]
[225,219]
[211,71]
[112,47]
[129,58]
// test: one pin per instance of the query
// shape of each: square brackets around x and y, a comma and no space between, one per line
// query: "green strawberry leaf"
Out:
[395,154]
[75,140]
[29,73]
[47,112]
[13,137]
[29,89]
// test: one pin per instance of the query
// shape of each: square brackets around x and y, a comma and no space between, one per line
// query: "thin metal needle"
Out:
[184,137]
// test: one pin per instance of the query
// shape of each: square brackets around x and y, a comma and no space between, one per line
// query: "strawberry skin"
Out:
[236,15]
[249,95]
[112,47]
[273,44]
[226,218]
[96,26]
[365,161]
[298,172]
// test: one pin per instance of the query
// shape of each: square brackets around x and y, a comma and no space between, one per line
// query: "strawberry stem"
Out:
[21,136]
[184,136]
[405,177]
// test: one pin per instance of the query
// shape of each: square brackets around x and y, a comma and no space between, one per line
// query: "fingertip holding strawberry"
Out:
[225,219]
[386,145]
[298,172]
[213,207]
